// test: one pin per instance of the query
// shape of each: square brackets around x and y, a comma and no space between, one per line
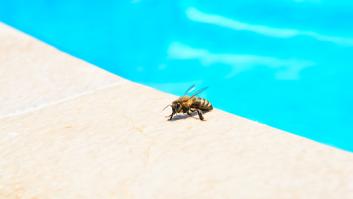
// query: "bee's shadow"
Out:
[184,116]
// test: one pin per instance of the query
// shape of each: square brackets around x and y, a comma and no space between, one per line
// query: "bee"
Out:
[189,104]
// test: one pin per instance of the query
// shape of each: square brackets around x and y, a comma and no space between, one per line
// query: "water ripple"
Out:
[218,20]
[287,69]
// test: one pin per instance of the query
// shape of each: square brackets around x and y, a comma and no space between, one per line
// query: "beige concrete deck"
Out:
[71,130]
[33,74]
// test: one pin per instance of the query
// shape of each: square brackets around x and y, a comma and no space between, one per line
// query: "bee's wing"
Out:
[189,89]
[198,91]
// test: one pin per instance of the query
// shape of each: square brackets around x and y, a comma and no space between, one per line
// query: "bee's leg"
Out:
[190,111]
[200,114]
[171,116]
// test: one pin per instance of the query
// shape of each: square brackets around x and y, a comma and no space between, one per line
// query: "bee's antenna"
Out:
[166,107]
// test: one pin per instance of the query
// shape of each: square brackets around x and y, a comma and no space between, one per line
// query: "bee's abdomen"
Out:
[202,104]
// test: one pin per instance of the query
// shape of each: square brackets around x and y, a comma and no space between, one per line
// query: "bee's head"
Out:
[176,106]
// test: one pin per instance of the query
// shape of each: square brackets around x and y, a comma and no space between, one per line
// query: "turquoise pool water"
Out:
[288,63]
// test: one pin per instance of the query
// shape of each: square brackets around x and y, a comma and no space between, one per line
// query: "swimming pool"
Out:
[288,64]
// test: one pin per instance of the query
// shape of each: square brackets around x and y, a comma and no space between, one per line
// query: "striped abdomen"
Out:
[202,104]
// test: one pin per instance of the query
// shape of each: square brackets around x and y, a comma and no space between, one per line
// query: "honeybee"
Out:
[189,104]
